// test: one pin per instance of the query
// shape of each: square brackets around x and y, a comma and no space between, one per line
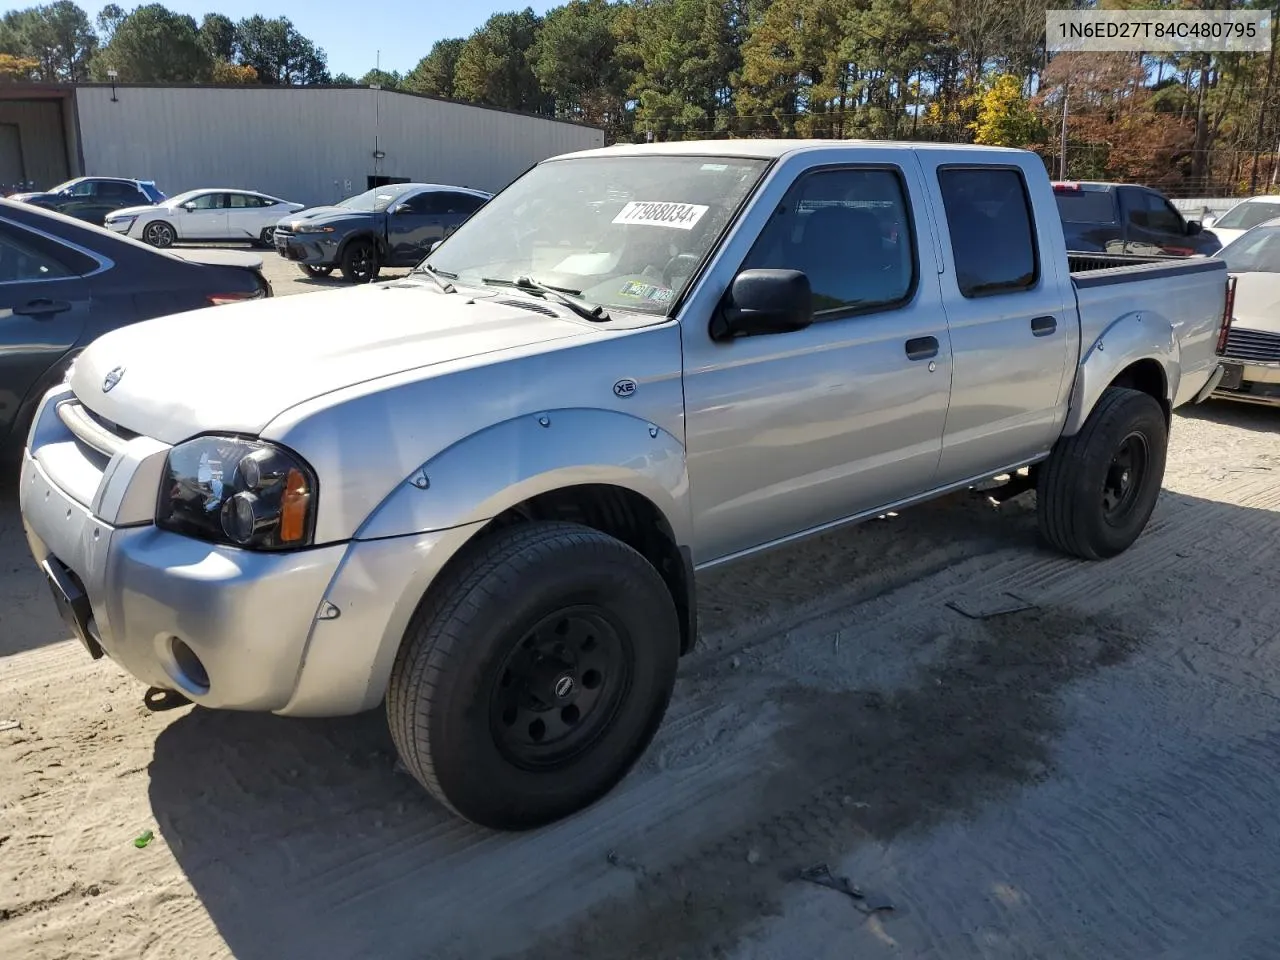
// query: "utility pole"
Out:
[1062,150]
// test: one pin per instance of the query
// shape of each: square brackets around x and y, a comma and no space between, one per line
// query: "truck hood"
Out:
[1258,302]
[235,368]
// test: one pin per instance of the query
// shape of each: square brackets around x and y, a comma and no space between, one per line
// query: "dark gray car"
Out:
[389,226]
[64,282]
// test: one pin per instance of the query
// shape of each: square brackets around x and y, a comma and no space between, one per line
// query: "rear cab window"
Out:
[1078,204]
[992,229]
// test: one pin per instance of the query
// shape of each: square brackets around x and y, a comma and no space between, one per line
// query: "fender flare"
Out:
[1131,337]
[482,475]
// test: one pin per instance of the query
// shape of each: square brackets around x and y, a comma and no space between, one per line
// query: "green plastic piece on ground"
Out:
[144,839]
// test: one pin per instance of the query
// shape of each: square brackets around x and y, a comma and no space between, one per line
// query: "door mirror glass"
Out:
[762,302]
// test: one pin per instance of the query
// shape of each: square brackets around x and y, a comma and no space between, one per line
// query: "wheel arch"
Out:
[1138,350]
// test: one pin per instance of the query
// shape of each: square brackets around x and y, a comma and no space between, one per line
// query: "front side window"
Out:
[206,201]
[993,238]
[1257,251]
[620,231]
[849,231]
[459,203]
[85,188]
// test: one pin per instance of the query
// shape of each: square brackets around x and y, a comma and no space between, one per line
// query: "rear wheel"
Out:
[267,238]
[535,675]
[360,262]
[159,234]
[1096,492]
[315,269]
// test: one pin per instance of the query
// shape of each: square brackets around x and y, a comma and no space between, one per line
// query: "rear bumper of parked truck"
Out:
[1249,382]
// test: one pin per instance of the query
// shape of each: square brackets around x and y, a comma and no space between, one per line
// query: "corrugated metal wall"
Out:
[41,133]
[309,144]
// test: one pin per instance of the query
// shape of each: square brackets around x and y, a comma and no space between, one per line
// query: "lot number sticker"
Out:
[655,213]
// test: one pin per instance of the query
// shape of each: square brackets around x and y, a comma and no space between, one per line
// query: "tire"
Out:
[267,238]
[467,695]
[159,234]
[315,269]
[360,262]
[1096,492]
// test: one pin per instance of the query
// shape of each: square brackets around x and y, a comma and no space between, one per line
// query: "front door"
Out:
[204,217]
[44,304]
[788,432]
[413,224]
[1013,335]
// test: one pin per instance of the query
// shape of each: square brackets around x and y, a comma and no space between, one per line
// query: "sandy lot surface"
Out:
[1091,777]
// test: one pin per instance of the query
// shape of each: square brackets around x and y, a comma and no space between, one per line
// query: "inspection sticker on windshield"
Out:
[655,213]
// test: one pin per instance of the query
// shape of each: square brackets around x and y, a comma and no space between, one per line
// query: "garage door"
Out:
[11,171]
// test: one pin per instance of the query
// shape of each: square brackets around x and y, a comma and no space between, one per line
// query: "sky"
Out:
[353,33]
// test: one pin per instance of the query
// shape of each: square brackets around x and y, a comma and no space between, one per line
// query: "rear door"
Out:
[1013,333]
[1154,226]
[44,306]
[248,215]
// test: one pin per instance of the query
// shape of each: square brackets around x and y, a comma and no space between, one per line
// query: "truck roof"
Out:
[773,149]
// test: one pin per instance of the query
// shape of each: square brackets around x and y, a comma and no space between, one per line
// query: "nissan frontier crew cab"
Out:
[483,493]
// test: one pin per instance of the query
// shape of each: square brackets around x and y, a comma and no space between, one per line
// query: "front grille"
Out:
[95,432]
[1252,345]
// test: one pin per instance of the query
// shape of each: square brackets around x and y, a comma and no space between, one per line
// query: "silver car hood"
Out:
[235,368]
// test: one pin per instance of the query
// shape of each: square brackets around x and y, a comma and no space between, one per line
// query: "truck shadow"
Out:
[303,832]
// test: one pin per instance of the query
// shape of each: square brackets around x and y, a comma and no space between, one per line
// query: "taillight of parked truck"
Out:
[1228,309]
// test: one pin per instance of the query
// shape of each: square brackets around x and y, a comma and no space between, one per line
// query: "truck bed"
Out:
[1186,293]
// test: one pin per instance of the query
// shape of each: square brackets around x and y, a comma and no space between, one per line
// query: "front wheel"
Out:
[360,262]
[1098,488]
[534,676]
[159,234]
[315,269]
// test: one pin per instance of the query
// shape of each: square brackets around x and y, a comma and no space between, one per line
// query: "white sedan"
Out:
[1243,216]
[1252,354]
[204,215]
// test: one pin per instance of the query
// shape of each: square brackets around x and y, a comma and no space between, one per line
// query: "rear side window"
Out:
[26,256]
[993,240]
[1085,206]
[849,231]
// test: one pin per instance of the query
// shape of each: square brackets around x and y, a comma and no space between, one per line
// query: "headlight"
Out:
[311,228]
[247,493]
[125,222]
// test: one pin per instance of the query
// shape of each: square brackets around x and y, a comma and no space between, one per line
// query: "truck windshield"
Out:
[624,231]
[1257,251]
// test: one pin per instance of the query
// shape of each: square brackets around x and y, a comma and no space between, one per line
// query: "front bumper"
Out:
[1256,382]
[308,633]
[314,249]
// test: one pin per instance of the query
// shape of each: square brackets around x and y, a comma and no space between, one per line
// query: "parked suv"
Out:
[1124,218]
[389,226]
[92,198]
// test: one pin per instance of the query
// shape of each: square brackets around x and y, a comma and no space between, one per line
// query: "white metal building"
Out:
[308,144]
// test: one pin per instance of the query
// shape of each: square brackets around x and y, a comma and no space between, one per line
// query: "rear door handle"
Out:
[922,348]
[1043,326]
[42,308]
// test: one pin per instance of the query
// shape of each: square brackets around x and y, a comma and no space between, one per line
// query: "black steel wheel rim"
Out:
[1125,478]
[559,687]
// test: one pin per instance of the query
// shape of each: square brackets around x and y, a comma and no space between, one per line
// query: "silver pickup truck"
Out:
[483,493]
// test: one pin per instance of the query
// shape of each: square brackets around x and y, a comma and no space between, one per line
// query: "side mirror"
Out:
[1193,227]
[762,302]
[432,249]
[1208,221]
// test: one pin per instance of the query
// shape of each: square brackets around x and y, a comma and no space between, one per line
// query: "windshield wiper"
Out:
[439,276]
[594,313]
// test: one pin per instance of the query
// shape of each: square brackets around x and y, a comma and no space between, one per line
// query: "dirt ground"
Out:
[1090,777]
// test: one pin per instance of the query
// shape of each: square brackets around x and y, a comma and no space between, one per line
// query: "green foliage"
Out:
[218,36]
[58,36]
[575,58]
[495,65]
[279,53]
[434,74]
[388,81]
[152,44]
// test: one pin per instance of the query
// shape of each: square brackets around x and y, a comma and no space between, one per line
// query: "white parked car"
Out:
[1243,216]
[1251,355]
[204,215]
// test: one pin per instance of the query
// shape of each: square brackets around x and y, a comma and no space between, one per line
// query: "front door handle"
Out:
[1043,326]
[922,348]
[42,308]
